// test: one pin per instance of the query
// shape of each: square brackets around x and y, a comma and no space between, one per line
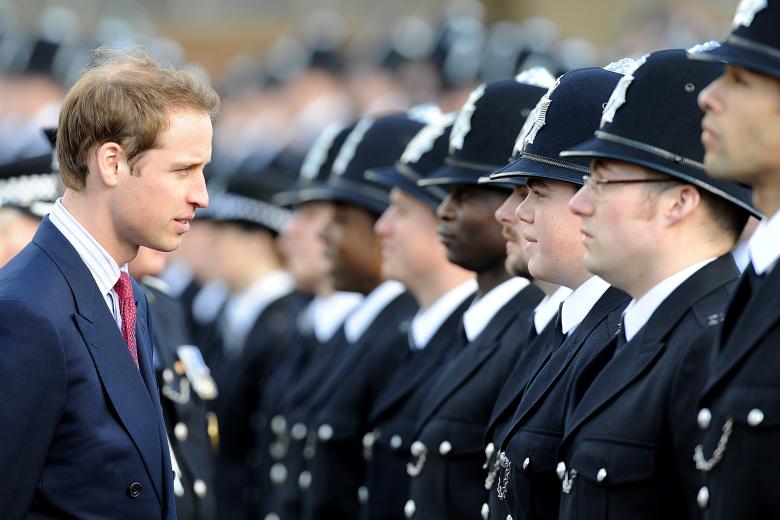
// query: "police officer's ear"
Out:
[678,202]
[110,162]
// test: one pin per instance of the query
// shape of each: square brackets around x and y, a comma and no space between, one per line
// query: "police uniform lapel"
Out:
[752,324]
[562,357]
[424,363]
[512,391]
[124,384]
[632,359]
[470,359]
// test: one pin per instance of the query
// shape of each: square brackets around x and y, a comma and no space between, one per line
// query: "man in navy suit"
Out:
[82,433]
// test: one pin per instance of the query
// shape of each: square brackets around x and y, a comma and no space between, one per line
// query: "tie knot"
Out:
[123,287]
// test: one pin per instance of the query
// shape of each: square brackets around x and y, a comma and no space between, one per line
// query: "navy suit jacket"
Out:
[81,428]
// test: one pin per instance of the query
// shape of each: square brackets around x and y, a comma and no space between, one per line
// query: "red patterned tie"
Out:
[124,289]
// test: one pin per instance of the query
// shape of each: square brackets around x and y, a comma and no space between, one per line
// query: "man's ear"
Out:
[685,199]
[111,161]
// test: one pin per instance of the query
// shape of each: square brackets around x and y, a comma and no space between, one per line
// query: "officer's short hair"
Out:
[123,96]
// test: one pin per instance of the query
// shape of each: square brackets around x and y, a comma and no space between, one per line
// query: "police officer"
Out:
[569,112]
[737,455]
[320,327]
[539,341]
[336,412]
[256,328]
[186,388]
[412,255]
[448,438]
[649,195]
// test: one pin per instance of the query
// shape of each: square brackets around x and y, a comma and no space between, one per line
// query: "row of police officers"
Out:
[554,303]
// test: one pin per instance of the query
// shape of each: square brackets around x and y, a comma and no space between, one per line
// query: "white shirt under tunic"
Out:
[327,314]
[426,323]
[764,245]
[548,307]
[104,269]
[482,310]
[580,302]
[372,305]
[640,311]
[243,309]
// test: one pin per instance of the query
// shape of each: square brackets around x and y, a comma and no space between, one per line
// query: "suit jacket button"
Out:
[485,512]
[134,489]
[601,475]
[445,447]
[703,498]
[755,417]
[410,508]
[704,418]
[325,432]
[396,441]
[199,487]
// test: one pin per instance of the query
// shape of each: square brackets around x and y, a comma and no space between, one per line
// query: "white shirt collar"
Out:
[548,308]
[101,265]
[328,313]
[640,311]
[243,309]
[580,302]
[372,305]
[741,255]
[482,310]
[764,244]
[426,323]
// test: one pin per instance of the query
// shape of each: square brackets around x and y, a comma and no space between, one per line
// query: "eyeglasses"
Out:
[597,185]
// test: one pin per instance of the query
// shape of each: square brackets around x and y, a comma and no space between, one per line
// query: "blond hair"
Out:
[124,96]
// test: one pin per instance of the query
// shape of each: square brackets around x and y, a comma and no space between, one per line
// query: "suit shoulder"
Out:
[33,276]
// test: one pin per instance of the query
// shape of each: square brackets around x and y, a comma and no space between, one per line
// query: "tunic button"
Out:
[167,375]
[526,463]
[755,417]
[601,475]
[278,424]
[703,498]
[271,516]
[396,441]
[304,480]
[561,470]
[410,508]
[369,439]
[134,489]
[362,494]
[417,448]
[199,487]
[325,432]
[445,447]
[278,473]
[485,512]
[704,418]
[298,431]
[180,431]
[489,450]
[508,517]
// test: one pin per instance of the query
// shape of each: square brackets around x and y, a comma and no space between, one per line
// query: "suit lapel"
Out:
[750,325]
[541,385]
[124,385]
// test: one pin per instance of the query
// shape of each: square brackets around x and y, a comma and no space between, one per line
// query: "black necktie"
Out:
[558,336]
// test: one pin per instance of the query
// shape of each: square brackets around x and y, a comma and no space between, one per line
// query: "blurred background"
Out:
[287,69]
